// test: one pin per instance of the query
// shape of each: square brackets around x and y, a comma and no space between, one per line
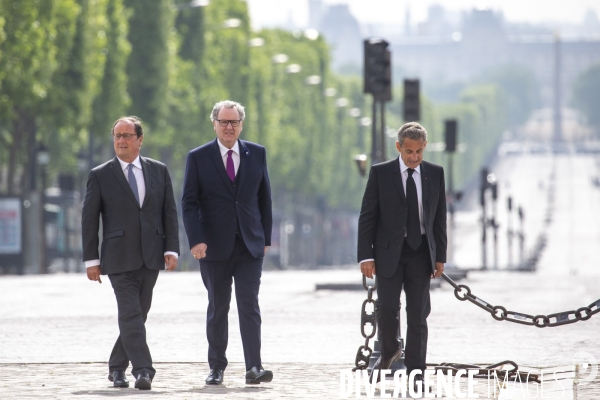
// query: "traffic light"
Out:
[412,101]
[451,136]
[378,69]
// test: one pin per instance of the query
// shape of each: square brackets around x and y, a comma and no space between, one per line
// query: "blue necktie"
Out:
[133,182]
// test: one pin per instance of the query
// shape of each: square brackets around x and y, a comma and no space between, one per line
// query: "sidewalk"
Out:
[186,381]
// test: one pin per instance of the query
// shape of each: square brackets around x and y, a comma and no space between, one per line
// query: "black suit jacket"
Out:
[132,235]
[383,216]
[213,209]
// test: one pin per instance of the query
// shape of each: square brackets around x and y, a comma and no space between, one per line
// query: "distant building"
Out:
[483,43]
[340,29]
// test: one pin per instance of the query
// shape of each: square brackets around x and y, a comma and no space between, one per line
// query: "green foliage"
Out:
[112,99]
[34,35]
[148,64]
[169,63]
[586,94]
[521,89]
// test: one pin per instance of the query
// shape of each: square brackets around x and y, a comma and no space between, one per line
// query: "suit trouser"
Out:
[217,277]
[414,275]
[133,290]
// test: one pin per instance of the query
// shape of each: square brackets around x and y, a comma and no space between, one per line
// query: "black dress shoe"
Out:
[384,364]
[257,375]
[215,377]
[118,379]
[143,381]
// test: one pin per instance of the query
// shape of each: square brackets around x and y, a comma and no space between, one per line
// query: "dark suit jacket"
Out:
[383,216]
[132,235]
[212,209]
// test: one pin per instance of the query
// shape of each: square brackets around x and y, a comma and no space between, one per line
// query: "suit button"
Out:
[405,208]
[236,202]
[235,219]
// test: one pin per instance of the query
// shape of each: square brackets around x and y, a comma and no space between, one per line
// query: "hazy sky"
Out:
[277,12]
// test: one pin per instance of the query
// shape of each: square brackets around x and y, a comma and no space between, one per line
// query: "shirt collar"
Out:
[403,167]
[136,163]
[224,150]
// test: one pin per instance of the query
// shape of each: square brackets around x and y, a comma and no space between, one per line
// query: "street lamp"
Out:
[313,80]
[192,4]
[293,69]
[361,163]
[43,159]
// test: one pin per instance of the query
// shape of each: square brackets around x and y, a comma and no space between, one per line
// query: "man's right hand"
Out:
[93,273]
[199,251]
[368,269]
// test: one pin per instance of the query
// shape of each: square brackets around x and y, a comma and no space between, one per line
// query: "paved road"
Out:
[56,331]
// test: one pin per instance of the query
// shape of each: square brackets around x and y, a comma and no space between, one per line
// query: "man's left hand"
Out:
[439,269]
[266,248]
[170,262]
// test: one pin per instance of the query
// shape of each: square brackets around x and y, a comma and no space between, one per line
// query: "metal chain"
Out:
[499,313]
[453,368]
[364,352]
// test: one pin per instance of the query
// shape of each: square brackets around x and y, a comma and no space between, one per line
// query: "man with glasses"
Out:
[227,216]
[134,197]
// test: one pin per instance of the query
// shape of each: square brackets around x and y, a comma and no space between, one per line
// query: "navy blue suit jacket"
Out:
[212,209]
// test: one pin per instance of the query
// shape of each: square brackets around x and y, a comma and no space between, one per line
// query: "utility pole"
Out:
[450,133]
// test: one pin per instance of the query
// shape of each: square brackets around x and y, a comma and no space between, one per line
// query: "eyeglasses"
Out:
[126,136]
[224,122]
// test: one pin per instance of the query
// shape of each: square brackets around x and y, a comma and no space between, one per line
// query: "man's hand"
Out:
[199,251]
[368,269]
[170,262]
[439,269]
[266,248]
[93,273]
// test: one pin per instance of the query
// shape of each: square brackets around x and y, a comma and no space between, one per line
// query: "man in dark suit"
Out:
[134,197]
[227,216]
[402,240]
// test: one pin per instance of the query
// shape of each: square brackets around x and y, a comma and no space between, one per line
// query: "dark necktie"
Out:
[230,167]
[413,233]
[133,182]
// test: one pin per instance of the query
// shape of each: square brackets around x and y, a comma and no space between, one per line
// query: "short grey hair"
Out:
[411,130]
[227,104]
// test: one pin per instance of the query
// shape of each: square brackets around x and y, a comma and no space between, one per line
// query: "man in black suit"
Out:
[134,197]
[227,216]
[402,240]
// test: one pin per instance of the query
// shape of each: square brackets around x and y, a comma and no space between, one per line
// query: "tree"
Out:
[148,65]
[31,52]
[521,89]
[586,94]
[112,99]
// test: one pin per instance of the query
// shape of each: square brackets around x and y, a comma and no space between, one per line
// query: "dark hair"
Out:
[135,121]
[411,130]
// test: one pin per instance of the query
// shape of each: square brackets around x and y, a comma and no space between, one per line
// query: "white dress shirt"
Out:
[417,178]
[141,185]
[235,156]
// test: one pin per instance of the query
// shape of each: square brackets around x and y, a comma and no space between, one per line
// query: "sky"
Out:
[267,13]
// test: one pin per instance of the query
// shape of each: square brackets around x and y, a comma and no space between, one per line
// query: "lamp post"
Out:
[43,159]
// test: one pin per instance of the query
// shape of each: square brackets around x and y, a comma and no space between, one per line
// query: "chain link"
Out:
[366,318]
[500,313]
[484,372]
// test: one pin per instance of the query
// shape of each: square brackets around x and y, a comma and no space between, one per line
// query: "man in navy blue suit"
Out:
[228,218]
